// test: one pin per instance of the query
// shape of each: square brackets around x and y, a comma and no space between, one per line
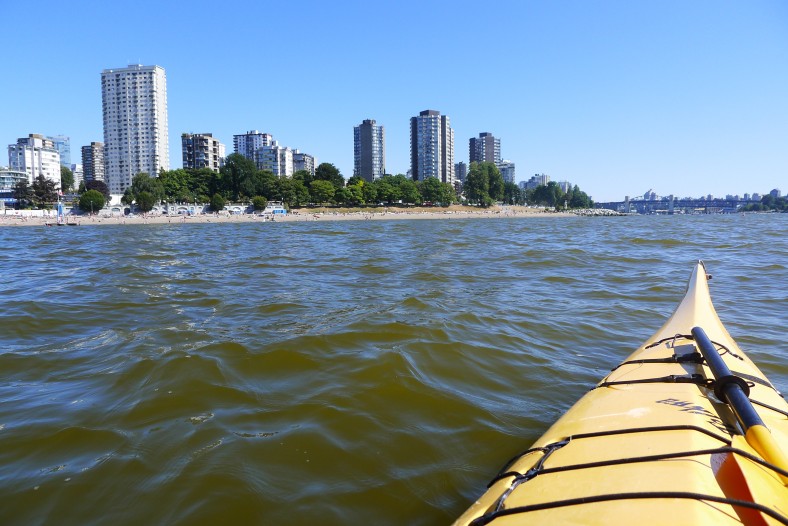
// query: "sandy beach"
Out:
[13,218]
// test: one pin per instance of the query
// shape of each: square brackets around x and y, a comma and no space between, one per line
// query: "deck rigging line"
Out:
[539,469]
[488,518]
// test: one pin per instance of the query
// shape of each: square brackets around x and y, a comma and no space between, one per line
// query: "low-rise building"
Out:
[276,158]
[536,180]
[35,155]
[8,181]
[303,161]
[507,171]
[79,174]
[249,143]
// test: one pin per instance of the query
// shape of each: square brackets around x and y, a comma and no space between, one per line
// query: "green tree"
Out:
[477,185]
[370,193]
[99,186]
[127,198]
[259,203]
[354,195]
[66,178]
[409,192]
[177,185]
[142,182]
[548,195]
[343,195]
[238,177]
[329,172]
[448,194]
[266,185]
[512,194]
[355,179]
[91,201]
[145,200]
[22,193]
[217,202]
[388,192]
[579,199]
[302,194]
[496,184]
[321,191]
[204,182]
[291,192]
[44,191]
[305,176]
[429,189]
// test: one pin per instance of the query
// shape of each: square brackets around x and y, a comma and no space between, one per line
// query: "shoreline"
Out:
[302,215]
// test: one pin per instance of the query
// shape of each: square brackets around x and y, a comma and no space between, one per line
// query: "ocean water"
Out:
[333,372]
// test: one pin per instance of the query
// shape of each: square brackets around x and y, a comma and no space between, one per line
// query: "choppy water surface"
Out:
[337,372]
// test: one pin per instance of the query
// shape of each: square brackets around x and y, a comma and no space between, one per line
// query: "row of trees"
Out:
[484,185]
[768,202]
[40,194]
[239,180]
[43,193]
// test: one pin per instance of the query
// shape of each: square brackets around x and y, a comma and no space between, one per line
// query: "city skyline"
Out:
[619,97]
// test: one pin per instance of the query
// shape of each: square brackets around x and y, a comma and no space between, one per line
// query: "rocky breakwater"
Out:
[596,212]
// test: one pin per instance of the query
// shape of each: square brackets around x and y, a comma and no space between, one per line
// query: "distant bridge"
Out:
[679,206]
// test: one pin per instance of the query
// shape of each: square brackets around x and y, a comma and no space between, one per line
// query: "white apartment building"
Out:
[136,140]
[507,171]
[431,147]
[35,155]
[249,143]
[536,180]
[79,174]
[277,159]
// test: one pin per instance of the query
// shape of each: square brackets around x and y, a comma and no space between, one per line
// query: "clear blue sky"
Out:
[619,97]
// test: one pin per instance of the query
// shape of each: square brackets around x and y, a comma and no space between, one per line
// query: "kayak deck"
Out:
[652,442]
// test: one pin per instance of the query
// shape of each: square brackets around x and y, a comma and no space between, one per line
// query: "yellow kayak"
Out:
[687,430]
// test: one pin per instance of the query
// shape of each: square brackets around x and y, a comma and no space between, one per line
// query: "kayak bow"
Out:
[687,430]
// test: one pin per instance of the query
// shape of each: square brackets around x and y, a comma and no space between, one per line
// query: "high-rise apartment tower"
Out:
[431,147]
[369,150]
[93,162]
[135,123]
[485,148]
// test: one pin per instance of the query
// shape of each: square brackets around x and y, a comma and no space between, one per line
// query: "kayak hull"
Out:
[652,442]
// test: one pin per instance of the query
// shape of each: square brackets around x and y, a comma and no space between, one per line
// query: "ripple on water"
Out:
[341,373]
